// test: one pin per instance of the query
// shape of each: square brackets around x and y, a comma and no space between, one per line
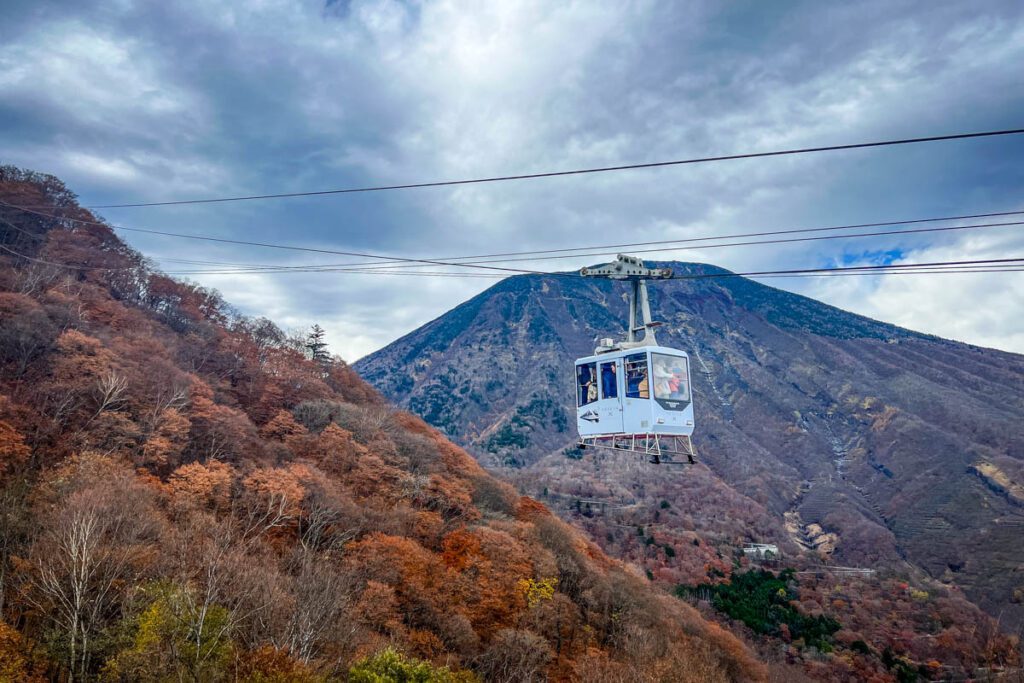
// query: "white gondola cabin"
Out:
[635,395]
[634,391]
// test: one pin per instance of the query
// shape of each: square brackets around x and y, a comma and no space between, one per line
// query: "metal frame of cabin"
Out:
[662,449]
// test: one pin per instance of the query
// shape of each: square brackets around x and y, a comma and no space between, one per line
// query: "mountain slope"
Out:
[818,427]
[186,496]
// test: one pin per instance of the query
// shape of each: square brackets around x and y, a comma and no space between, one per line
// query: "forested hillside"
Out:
[187,496]
[843,440]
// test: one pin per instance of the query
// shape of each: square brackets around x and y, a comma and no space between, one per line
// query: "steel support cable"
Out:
[464,275]
[992,265]
[126,268]
[276,246]
[329,268]
[72,266]
[923,271]
[394,268]
[396,262]
[382,267]
[946,266]
[570,274]
[581,171]
[59,265]
[630,245]
[892,266]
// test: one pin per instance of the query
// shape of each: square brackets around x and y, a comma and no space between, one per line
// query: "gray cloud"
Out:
[167,100]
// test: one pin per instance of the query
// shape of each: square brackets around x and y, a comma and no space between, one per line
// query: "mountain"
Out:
[187,496]
[816,429]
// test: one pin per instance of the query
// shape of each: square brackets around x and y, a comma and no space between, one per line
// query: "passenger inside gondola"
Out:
[678,384]
[637,385]
[586,384]
[670,378]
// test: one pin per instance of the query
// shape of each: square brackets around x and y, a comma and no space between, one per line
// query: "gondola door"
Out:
[609,407]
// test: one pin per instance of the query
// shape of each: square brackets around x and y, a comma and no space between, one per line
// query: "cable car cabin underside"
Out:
[660,449]
[636,399]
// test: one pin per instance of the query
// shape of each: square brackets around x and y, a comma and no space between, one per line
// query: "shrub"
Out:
[391,666]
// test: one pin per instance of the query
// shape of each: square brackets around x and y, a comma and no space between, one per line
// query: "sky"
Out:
[154,101]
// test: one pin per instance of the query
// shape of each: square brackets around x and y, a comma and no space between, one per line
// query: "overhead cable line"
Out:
[269,245]
[991,265]
[55,264]
[782,274]
[394,267]
[405,267]
[632,245]
[978,265]
[799,272]
[580,171]
[483,261]
[542,255]
[895,267]
[923,271]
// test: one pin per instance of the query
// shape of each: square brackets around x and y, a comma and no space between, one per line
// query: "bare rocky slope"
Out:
[883,447]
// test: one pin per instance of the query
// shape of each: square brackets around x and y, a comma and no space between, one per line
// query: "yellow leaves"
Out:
[918,595]
[15,653]
[535,591]
[83,470]
[391,665]
[179,633]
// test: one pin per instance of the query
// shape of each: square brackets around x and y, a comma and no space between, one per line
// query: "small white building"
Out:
[760,552]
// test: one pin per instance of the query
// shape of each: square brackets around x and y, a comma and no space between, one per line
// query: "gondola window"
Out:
[671,378]
[586,383]
[637,384]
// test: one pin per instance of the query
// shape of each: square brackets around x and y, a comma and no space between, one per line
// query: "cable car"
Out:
[635,395]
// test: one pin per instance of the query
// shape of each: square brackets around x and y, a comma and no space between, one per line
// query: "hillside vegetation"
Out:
[186,496]
[842,440]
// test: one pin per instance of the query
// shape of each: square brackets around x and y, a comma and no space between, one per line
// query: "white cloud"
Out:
[978,308]
[160,101]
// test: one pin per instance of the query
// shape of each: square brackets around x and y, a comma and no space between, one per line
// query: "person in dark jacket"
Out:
[609,386]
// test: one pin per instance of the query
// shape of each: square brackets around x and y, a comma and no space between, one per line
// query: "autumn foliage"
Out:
[187,496]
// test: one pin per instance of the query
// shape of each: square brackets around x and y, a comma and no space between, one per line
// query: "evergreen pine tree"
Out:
[316,344]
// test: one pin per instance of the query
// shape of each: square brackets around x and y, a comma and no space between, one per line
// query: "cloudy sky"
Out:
[151,101]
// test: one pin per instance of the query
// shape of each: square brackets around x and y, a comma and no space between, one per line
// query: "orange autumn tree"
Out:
[202,486]
[14,452]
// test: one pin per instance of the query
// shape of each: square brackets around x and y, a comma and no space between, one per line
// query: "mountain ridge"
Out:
[875,434]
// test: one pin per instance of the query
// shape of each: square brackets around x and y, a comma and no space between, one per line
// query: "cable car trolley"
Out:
[635,395]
